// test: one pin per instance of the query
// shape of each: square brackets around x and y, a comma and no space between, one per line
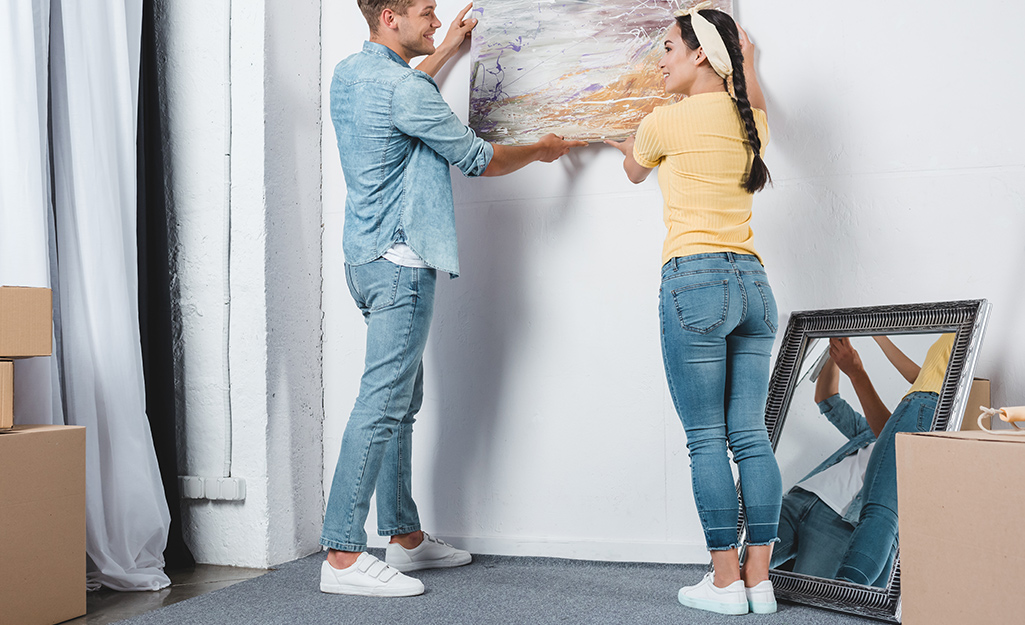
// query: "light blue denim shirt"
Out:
[396,138]
[859,435]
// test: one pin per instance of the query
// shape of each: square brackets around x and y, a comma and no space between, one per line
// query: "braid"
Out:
[759,173]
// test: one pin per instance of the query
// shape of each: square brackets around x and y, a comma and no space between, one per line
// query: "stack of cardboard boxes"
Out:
[42,484]
[25,321]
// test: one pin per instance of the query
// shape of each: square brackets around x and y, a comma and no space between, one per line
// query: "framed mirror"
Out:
[846,381]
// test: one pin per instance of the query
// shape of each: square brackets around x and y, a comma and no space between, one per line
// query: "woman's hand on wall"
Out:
[754,89]
[747,47]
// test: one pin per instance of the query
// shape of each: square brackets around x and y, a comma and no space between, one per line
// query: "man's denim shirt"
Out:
[396,137]
[859,435]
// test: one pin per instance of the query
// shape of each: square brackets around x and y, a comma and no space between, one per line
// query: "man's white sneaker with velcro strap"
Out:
[369,577]
[430,554]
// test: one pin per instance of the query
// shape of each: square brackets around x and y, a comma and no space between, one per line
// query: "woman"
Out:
[717,310]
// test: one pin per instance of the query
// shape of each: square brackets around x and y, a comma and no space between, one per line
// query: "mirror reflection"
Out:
[839,516]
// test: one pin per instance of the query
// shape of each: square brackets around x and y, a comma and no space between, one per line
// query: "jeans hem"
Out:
[405,529]
[733,546]
[339,546]
[771,542]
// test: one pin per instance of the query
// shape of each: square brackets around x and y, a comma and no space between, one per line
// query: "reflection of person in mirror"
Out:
[717,310]
[868,553]
[820,512]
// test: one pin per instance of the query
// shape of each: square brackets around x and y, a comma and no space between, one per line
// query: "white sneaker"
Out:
[430,554]
[761,598]
[706,596]
[368,577]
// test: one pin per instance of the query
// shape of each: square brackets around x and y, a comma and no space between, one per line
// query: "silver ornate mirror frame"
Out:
[966,318]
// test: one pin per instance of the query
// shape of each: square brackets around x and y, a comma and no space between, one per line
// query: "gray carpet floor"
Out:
[497,590]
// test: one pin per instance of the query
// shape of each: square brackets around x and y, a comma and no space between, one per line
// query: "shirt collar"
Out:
[371,47]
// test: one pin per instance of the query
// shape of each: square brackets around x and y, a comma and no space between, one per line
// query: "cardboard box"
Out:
[961,513]
[26,322]
[6,394]
[979,395]
[42,524]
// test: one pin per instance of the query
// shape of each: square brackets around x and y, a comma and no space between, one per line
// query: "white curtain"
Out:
[25,214]
[93,50]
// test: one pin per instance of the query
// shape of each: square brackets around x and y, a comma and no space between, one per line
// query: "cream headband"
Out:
[711,41]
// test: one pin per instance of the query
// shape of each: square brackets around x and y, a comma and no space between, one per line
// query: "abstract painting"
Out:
[584,69]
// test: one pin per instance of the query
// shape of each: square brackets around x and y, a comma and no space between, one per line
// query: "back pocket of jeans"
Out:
[702,307]
[769,303]
[926,415]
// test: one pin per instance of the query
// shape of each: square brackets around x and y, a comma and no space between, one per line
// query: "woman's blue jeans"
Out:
[873,539]
[397,305]
[718,323]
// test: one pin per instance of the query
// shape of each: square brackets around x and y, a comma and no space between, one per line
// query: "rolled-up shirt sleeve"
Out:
[418,110]
[844,417]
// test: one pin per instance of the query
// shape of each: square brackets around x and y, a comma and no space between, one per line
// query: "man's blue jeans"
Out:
[817,537]
[718,322]
[811,532]
[397,305]
[874,537]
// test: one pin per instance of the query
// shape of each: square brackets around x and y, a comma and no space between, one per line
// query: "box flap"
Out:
[973,435]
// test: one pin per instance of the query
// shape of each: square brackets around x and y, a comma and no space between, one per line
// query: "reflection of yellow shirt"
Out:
[930,378]
[700,148]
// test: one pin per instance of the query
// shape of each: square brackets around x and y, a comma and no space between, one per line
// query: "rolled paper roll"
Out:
[1015,414]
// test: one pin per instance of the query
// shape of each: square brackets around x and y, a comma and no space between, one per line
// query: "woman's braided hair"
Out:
[759,173]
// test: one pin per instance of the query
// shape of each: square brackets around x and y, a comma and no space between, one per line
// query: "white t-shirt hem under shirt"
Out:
[404,256]
[838,485]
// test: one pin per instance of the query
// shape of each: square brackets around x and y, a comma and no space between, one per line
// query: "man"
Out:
[819,513]
[396,139]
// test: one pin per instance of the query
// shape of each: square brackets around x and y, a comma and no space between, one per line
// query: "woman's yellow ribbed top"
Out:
[700,146]
[934,369]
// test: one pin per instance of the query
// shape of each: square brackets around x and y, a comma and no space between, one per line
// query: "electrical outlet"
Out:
[213,488]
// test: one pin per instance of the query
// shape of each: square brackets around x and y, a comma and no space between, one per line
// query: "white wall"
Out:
[275,322]
[547,428]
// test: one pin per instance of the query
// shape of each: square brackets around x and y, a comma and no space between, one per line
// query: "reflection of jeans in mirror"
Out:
[816,538]
[876,533]
[718,320]
[812,533]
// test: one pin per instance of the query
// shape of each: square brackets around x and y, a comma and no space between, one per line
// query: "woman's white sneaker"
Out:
[368,577]
[761,598]
[430,554]
[706,596]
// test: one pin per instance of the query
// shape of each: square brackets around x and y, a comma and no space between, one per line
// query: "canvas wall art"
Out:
[584,69]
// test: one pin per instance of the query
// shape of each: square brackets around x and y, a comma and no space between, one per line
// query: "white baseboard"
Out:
[605,551]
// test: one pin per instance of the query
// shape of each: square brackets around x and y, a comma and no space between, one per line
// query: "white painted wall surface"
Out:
[275,357]
[547,427]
